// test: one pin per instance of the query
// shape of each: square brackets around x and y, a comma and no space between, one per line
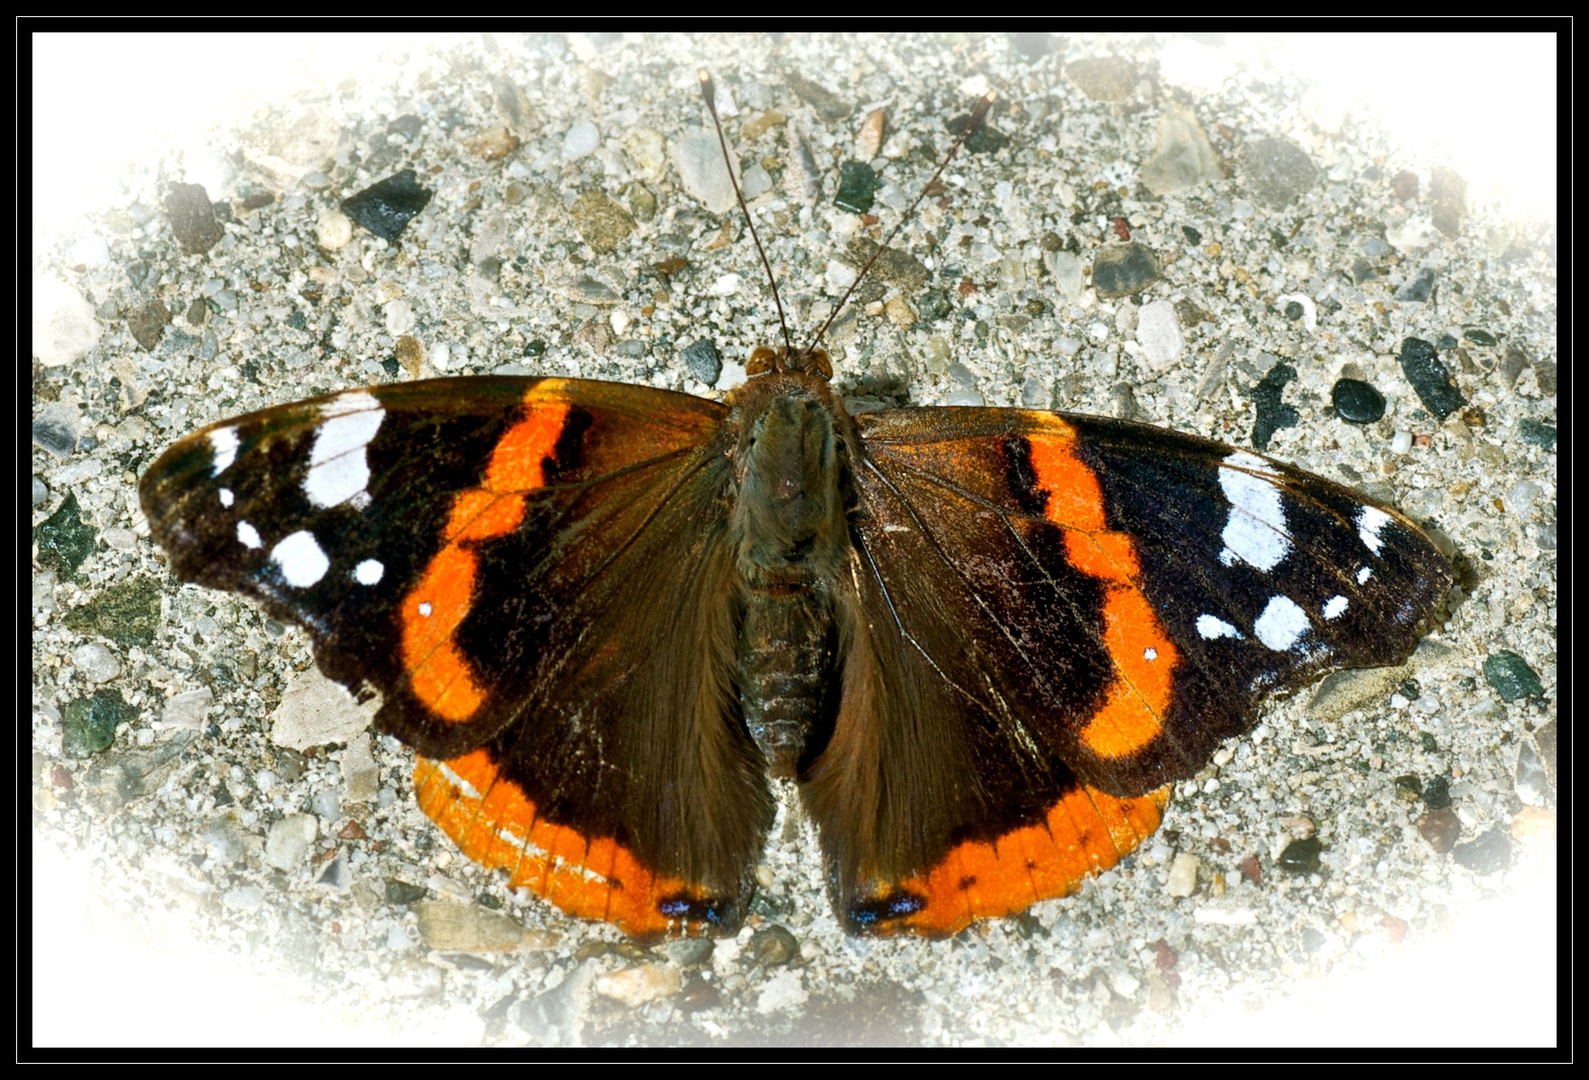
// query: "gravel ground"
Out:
[200,881]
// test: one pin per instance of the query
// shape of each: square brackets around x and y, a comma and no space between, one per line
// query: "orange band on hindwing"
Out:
[439,674]
[1144,657]
[494,823]
[1084,833]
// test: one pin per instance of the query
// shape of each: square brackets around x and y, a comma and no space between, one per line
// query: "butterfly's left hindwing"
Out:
[533,575]
[1057,617]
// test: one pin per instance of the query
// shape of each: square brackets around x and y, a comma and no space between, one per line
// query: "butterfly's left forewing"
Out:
[534,578]
[1066,614]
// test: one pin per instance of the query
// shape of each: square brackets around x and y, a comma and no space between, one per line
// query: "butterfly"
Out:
[981,642]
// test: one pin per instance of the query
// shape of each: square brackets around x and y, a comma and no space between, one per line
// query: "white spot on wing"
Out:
[301,560]
[369,572]
[227,498]
[1335,607]
[1281,625]
[248,536]
[1364,574]
[424,608]
[1370,520]
[1150,654]
[223,443]
[1255,533]
[338,467]
[1209,628]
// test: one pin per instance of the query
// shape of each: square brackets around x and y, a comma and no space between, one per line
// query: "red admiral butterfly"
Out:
[981,641]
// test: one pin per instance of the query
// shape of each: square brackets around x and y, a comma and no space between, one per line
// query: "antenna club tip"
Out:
[704,75]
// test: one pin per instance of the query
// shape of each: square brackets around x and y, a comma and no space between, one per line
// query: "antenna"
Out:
[708,92]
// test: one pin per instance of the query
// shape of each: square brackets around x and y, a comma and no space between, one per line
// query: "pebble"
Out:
[699,995]
[287,842]
[1437,792]
[147,323]
[580,139]
[600,221]
[699,161]
[1440,829]
[1419,288]
[491,144]
[1123,269]
[398,316]
[1356,401]
[1159,334]
[361,778]
[1182,156]
[1067,272]
[1430,378]
[857,187]
[755,182]
[635,986]
[1182,880]
[387,206]
[1448,200]
[1301,856]
[55,430]
[801,180]
[1522,496]
[315,711]
[1487,854]
[402,893]
[89,724]
[1300,308]
[95,662]
[703,361]
[1510,676]
[869,140]
[454,927]
[1103,78]
[785,990]
[647,150]
[189,709]
[1272,412]
[1537,434]
[333,229]
[1529,779]
[192,218]
[772,945]
[336,874]
[1275,171]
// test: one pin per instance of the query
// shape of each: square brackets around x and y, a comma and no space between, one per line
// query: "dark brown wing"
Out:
[1056,616]
[534,578]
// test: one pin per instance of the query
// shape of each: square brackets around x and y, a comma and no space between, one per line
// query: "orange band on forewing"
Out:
[439,674]
[1075,501]
[1144,657]
[1086,832]
[496,825]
